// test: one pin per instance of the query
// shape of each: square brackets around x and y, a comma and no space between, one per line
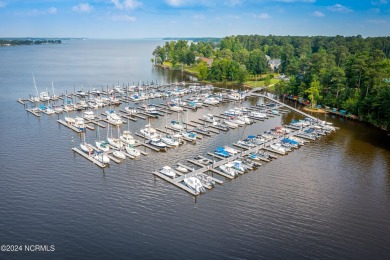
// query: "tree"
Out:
[203,70]
[314,92]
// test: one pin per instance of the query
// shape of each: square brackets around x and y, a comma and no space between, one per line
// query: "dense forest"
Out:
[12,42]
[349,73]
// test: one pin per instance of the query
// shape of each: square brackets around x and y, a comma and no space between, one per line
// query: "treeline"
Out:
[349,73]
[12,42]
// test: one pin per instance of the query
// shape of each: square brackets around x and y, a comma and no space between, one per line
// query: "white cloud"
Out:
[380,2]
[176,3]
[123,18]
[317,14]
[126,4]
[82,8]
[339,8]
[52,10]
[3,4]
[234,2]
[262,16]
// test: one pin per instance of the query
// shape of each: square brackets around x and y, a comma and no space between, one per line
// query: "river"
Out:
[330,199]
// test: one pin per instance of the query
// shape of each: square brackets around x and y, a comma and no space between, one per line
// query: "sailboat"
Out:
[115,142]
[86,147]
[101,145]
[132,151]
[36,98]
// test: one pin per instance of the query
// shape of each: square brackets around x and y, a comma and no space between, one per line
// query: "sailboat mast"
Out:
[35,85]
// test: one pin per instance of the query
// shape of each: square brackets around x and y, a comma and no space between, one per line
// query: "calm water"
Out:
[329,199]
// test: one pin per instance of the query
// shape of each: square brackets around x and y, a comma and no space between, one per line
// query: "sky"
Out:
[122,19]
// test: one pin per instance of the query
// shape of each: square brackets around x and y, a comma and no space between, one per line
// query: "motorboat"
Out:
[220,151]
[205,179]
[181,169]
[169,140]
[258,115]
[151,109]
[70,120]
[168,171]
[231,150]
[114,118]
[211,101]
[131,110]
[228,170]
[202,129]
[189,135]
[149,132]
[202,160]
[237,165]
[79,123]
[278,148]
[89,115]
[157,143]
[128,138]
[230,124]
[195,184]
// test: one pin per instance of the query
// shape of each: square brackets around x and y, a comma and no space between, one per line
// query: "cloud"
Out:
[3,4]
[176,3]
[52,10]
[82,8]
[339,8]
[317,14]
[123,18]
[126,4]
[261,16]
[233,3]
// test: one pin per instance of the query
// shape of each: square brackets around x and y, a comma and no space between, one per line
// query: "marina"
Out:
[202,127]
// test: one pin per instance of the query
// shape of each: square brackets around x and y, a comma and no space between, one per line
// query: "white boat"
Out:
[113,118]
[245,119]
[278,148]
[128,138]
[70,120]
[157,143]
[119,154]
[115,142]
[101,157]
[231,150]
[102,145]
[170,141]
[132,151]
[181,169]
[50,111]
[79,123]
[209,118]
[229,171]
[195,184]
[211,101]
[149,132]
[230,124]
[237,121]
[44,96]
[174,107]
[89,115]
[189,135]
[86,148]
[258,115]
[166,170]
[131,110]
[176,125]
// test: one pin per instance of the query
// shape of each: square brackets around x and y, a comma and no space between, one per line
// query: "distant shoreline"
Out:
[16,42]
